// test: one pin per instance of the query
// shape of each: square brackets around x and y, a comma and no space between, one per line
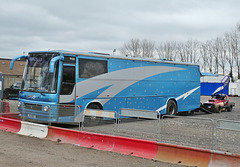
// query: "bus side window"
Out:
[89,68]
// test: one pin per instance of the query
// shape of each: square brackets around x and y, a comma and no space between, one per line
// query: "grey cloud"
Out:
[103,25]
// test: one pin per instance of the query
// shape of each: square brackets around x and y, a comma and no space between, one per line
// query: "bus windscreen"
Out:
[37,77]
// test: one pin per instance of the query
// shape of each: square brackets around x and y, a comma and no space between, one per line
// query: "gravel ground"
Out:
[17,150]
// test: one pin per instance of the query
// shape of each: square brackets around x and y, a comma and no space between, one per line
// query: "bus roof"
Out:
[104,55]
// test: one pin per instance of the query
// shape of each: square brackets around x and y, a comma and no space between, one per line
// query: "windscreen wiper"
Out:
[42,93]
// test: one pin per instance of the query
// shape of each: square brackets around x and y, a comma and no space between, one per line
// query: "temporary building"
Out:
[234,88]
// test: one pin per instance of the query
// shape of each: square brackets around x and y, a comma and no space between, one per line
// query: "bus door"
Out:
[67,92]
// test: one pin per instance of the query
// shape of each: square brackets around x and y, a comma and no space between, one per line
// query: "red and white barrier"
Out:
[34,130]
[135,147]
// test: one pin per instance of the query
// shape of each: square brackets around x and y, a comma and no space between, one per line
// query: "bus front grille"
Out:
[33,106]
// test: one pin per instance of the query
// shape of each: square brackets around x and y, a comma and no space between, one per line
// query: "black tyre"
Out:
[218,109]
[94,106]
[230,108]
[171,108]
[95,120]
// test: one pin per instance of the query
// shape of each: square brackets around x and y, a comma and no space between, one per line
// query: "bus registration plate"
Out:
[31,116]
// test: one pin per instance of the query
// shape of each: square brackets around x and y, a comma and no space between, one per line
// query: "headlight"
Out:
[45,108]
[19,104]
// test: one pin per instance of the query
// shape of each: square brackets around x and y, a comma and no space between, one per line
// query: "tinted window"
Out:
[89,68]
[68,80]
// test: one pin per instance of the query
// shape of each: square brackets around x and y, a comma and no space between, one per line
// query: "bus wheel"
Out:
[94,119]
[171,108]
[94,106]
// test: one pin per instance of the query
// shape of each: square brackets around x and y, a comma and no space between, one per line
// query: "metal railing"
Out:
[92,118]
[4,106]
[223,135]
[228,135]
[87,119]
[139,123]
[188,131]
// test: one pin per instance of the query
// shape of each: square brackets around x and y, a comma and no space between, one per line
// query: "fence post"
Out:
[49,121]
[81,119]
[23,113]
[159,126]
[212,136]
[118,119]
[1,106]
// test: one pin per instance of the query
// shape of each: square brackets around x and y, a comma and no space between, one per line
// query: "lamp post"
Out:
[114,50]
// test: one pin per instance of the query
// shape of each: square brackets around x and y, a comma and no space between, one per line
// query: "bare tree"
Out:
[204,56]
[238,51]
[167,50]
[209,47]
[138,48]
[192,47]
[230,53]
[148,48]
[236,48]
[131,48]
[222,53]
[213,55]
[182,54]
[216,53]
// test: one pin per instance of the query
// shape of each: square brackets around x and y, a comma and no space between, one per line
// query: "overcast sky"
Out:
[104,25]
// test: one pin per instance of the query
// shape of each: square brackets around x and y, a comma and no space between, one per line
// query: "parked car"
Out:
[218,103]
[12,91]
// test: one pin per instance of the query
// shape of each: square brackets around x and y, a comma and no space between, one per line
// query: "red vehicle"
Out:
[218,103]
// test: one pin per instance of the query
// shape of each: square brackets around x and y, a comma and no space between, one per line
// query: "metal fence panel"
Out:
[223,135]
[228,136]
[141,124]
[100,113]
[228,125]
[99,121]
[187,131]
[139,113]
[4,106]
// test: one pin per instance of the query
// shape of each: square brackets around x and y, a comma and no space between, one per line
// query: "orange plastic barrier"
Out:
[182,155]
[224,159]
[195,156]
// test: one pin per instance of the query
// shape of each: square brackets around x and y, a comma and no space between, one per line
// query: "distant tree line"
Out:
[219,55]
